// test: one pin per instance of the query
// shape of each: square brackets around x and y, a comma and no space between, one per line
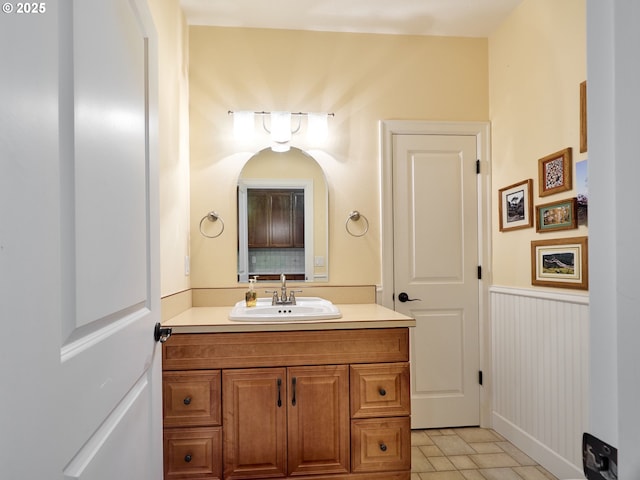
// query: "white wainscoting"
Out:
[540,343]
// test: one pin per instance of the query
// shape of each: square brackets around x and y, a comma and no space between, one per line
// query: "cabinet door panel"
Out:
[281,220]
[258,215]
[318,409]
[254,422]
[298,220]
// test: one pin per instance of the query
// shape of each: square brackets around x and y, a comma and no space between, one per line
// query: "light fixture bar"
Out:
[293,114]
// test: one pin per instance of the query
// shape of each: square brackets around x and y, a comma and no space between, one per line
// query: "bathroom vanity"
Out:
[324,400]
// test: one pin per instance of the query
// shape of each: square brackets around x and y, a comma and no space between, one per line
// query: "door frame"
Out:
[389,128]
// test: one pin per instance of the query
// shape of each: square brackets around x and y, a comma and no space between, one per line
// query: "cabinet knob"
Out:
[382,392]
[383,447]
[187,401]
[187,458]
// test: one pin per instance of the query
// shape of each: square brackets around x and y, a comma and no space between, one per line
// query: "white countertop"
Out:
[216,319]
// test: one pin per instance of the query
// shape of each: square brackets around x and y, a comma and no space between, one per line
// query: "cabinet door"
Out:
[281,215]
[298,220]
[254,419]
[258,218]
[318,413]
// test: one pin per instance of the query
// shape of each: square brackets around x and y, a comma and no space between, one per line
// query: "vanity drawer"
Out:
[379,445]
[380,390]
[193,453]
[191,398]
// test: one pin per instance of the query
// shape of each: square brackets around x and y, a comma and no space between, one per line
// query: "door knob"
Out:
[403,297]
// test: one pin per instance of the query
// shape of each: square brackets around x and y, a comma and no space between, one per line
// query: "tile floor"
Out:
[469,454]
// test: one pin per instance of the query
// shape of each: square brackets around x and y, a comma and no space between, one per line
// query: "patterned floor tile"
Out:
[452,445]
[494,460]
[469,453]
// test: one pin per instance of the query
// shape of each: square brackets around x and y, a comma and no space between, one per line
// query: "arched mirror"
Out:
[282,218]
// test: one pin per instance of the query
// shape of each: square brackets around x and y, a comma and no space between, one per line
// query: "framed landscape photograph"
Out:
[561,215]
[554,173]
[515,206]
[560,262]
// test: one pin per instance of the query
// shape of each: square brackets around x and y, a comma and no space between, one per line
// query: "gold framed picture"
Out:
[555,173]
[561,262]
[516,204]
[560,215]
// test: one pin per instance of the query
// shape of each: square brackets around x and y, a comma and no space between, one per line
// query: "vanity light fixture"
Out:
[282,126]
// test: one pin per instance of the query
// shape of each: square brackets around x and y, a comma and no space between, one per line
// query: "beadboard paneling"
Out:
[540,374]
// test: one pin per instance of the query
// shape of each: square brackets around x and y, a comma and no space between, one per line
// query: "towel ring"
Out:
[212,216]
[354,217]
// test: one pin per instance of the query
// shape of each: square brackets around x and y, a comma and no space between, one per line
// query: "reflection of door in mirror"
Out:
[272,236]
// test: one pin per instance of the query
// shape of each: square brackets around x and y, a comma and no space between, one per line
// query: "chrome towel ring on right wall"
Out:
[356,216]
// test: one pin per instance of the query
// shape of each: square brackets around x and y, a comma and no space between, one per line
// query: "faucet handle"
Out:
[274,298]
[292,296]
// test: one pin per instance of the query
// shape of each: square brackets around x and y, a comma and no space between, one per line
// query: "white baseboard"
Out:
[554,463]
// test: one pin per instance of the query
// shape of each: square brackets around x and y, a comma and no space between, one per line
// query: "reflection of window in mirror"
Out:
[275,233]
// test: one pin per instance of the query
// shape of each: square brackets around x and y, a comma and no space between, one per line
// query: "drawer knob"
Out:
[187,401]
[187,458]
[383,447]
[382,392]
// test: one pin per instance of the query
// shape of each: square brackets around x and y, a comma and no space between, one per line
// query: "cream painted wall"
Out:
[361,78]
[537,59]
[173,114]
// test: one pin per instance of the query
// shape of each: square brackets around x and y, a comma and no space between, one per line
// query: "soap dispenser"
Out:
[251,296]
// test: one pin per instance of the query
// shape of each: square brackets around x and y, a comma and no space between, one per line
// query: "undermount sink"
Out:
[306,308]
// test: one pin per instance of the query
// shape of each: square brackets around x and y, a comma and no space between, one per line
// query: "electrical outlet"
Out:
[599,459]
[187,265]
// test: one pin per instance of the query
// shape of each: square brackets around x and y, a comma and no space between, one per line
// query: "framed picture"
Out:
[516,206]
[554,173]
[561,215]
[560,262]
[582,192]
[583,117]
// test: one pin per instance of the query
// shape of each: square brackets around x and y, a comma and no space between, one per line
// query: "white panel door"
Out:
[435,225]
[79,243]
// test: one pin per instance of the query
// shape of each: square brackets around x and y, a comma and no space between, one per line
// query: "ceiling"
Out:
[465,18]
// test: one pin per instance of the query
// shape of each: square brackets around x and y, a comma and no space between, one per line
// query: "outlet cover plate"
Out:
[599,459]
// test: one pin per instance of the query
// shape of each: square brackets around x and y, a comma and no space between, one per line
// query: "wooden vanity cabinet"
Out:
[327,404]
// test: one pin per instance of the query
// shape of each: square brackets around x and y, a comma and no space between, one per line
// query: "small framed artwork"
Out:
[554,173]
[515,206]
[583,117]
[560,262]
[561,215]
[582,192]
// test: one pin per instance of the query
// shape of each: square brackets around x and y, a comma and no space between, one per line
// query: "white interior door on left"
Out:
[79,256]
